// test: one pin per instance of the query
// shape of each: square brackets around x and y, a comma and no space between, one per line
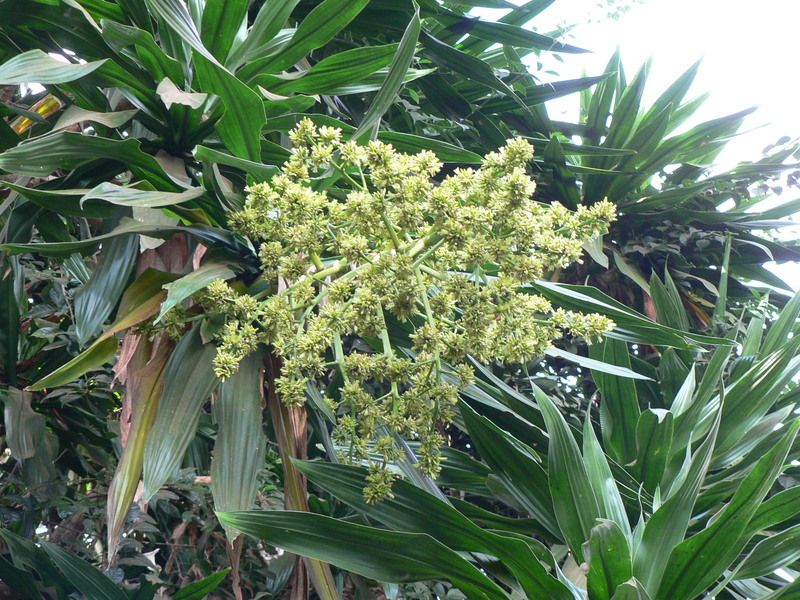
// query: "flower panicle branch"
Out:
[398,242]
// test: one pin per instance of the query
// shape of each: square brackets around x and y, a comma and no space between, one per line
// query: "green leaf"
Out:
[596,365]
[469,66]
[374,553]
[449,153]
[9,318]
[411,509]
[609,557]
[90,581]
[189,380]
[771,553]
[630,590]
[631,326]
[182,288]
[19,580]
[653,445]
[503,33]
[574,499]
[667,302]
[778,508]
[619,406]
[222,20]
[337,70]
[602,479]
[24,427]
[696,563]
[96,355]
[28,556]
[257,170]
[95,300]
[34,66]
[779,331]
[210,236]
[43,155]
[394,80]
[240,126]
[667,526]
[198,590]
[139,302]
[517,466]
[271,17]
[130,196]
[240,447]
[318,28]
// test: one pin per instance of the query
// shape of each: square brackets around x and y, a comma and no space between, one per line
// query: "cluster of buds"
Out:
[393,247]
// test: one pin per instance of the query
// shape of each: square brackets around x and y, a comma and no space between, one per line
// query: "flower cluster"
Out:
[394,243]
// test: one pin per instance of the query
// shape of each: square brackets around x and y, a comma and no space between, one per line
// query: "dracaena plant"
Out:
[393,243]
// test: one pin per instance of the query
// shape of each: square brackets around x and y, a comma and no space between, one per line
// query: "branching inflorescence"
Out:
[391,243]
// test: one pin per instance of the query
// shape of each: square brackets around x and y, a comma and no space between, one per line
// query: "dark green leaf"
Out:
[375,553]
[90,581]
[394,80]
[95,301]
[608,555]
[198,590]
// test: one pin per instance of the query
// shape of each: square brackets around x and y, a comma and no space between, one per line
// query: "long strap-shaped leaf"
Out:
[394,80]
[696,563]
[574,499]
[144,388]
[188,382]
[240,447]
[414,510]
[375,553]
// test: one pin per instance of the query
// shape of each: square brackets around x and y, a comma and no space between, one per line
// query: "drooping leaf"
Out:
[139,302]
[24,426]
[131,196]
[240,446]
[189,380]
[411,509]
[96,355]
[144,384]
[375,553]
[74,115]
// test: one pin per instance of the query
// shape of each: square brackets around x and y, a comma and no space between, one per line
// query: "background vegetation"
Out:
[659,463]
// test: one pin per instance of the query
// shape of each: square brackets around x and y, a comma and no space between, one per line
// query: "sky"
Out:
[750,52]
